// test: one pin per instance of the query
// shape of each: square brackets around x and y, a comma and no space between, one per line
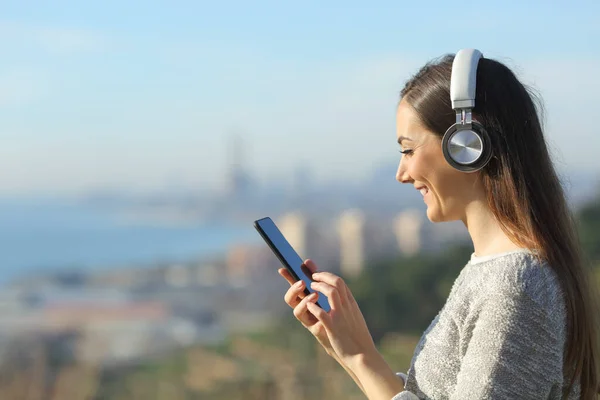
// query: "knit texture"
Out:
[500,335]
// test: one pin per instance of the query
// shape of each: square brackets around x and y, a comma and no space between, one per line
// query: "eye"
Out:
[406,152]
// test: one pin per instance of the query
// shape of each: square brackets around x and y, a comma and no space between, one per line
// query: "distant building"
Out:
[351,232]
[177,275]
[122,276]
[237,264]
[312,238]
[207,274]
[247,262]
[299,232]
[238,181]
[408,228]
[73,315]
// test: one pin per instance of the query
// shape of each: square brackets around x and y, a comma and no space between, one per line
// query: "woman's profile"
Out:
[520,321]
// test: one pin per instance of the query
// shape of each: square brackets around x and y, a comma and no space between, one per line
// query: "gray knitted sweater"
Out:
[500,335]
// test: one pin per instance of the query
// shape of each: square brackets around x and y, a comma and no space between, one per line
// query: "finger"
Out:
[329,278]
[320,314]
[332,293]
[301,311]
[312,267]
[286,275]
[291,280]
[294,294]
[336,282]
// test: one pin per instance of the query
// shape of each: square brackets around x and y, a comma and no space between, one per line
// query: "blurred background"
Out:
[140,140]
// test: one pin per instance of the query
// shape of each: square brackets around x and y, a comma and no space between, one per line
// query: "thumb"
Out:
[321,315]
[310,264]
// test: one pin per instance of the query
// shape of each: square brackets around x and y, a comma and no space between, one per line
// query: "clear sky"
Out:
[143,94]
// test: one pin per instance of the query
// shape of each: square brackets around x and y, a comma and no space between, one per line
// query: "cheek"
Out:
[429,164]
[448,182]
[445,181]
[453,190]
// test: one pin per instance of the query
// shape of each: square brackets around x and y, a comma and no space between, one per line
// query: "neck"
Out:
[485,231]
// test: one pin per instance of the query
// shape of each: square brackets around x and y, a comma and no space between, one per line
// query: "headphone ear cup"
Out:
[467,149]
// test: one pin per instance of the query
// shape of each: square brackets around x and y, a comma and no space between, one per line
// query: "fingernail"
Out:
[299,283]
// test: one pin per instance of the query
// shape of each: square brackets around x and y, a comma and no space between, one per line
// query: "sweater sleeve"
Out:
[514,351]
[405,394]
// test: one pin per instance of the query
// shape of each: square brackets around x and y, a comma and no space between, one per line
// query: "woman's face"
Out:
[446,191]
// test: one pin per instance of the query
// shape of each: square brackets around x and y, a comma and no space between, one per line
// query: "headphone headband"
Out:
[466,145]
[464,78]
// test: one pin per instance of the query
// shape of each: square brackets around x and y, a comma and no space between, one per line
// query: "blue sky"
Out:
[146,94]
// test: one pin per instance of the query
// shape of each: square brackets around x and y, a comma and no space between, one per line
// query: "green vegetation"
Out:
[404,295]
[589,230]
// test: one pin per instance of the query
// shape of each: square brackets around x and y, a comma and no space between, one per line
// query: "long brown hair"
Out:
[523,192]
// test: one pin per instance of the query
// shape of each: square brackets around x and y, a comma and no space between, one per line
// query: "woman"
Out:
[520,320]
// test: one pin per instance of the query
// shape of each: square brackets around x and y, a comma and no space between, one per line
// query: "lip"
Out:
[421,188]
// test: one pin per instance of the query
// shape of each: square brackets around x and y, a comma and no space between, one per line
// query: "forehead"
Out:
[407,121]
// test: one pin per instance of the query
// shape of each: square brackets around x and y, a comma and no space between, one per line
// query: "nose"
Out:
[402,175]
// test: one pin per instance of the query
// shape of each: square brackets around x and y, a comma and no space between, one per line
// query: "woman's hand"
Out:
[343,331]
[298,301]
[344,325]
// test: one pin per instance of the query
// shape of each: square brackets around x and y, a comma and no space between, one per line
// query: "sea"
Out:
[39,236]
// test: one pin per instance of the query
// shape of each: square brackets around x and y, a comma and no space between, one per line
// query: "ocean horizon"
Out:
[42,236]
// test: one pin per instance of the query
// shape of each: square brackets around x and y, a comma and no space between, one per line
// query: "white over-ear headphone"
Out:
[466,145]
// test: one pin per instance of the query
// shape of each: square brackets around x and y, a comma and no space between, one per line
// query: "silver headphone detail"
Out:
[466,144]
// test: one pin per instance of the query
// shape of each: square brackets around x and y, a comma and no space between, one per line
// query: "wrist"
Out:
[370,359]
[378,379]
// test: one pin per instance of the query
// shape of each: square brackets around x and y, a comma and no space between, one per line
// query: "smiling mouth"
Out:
[423,190]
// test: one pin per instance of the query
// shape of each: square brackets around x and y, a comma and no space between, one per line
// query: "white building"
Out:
[408,228]
[299,232]
[351,233]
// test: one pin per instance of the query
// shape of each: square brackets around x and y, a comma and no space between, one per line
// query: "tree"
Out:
[588,219]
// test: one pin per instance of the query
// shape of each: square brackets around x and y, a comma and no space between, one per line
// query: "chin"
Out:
[435,216]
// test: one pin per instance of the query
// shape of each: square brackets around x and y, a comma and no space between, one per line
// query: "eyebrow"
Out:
[401,138]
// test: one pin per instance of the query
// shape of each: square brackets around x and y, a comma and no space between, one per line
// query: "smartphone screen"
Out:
[288,256]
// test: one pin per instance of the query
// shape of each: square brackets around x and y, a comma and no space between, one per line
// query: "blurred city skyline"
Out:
[143,96]
[140,140]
